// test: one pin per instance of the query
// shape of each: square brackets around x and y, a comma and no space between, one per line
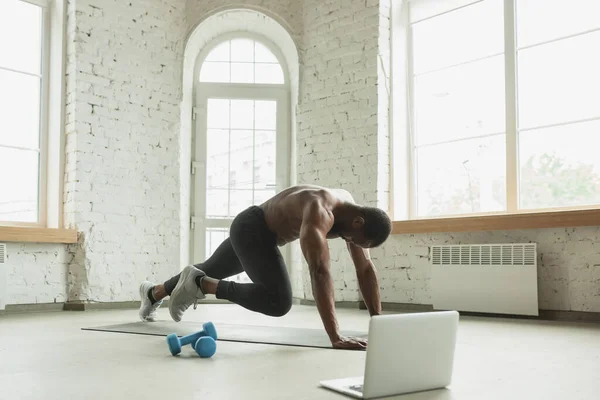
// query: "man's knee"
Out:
[280,304]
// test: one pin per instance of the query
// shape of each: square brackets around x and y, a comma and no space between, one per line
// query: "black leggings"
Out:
[251,247]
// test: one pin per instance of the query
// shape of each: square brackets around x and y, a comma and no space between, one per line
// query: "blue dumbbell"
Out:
[176,343]
[205,346]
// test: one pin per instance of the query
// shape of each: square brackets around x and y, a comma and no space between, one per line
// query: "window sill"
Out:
[533,220]
[37,235]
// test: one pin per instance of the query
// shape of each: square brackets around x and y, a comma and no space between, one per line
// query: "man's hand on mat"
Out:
[349,343]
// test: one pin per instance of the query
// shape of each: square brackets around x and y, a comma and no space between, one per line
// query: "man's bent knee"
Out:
[280,304]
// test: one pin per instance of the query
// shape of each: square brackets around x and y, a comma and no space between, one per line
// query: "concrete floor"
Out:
[48,356]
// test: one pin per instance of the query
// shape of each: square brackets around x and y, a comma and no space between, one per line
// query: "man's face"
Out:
[357,238]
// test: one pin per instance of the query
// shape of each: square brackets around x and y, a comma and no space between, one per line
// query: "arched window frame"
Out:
[201,92]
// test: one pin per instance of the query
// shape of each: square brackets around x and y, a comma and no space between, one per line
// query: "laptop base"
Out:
[349,386]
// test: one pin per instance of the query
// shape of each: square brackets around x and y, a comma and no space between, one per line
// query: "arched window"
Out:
[241,135]
[241,61]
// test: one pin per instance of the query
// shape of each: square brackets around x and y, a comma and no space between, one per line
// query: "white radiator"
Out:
[497,278]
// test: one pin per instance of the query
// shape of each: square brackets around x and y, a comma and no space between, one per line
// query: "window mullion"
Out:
[411,139]
[510,72]
[44,120]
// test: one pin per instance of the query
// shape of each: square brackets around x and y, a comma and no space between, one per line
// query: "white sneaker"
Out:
[186,292]
[147,309]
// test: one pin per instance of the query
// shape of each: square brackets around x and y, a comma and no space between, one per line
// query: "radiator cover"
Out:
[496,279]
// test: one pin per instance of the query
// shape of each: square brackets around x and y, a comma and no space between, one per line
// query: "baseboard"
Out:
[572,316]
[545,315]
[338,304]
[123,305]
[401,307]
[27,308]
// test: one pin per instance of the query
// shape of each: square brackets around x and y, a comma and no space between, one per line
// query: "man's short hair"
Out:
[378,225]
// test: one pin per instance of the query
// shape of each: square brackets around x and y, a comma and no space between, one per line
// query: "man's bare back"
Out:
[286,211]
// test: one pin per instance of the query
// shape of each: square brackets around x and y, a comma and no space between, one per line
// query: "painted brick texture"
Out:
[287,12]
[122,186]
[339,140]
[36,273]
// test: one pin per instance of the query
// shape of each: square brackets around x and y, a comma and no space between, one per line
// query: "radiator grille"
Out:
[2,253]
[484,254]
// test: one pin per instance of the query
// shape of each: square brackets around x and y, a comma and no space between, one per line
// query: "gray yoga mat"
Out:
[287,336]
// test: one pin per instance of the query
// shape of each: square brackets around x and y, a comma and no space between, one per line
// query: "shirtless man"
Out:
[311,213]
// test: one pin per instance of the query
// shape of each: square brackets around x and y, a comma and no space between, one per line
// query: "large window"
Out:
[503,105]
[23,107]
[241,140]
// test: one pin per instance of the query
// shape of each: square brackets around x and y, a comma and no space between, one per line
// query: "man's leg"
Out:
[270,291]
[223,263]
[256,248]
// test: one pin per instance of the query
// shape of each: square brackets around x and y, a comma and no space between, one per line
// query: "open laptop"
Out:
[406,353]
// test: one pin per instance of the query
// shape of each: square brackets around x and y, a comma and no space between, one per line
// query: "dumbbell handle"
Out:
[185,340]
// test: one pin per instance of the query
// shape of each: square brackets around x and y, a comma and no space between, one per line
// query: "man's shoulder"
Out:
[342,194]
[317,211]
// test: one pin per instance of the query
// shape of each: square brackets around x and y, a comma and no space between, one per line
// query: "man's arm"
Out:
[367,278]
[313,242]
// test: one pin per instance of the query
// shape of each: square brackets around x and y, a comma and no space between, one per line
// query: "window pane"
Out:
[242,50]
[263,54]
[242,114]
[214,238]
[537,22]
[460,102]
[559,81]
[240,200]
[219,53]
[269,73]
[218,114]
[214,72]
[20,30]
[260,196]
[19,110]
[265,114]
[242,73]
[463,35]
[216,203]
[240,175]
[19,176]
[265,153]
[217,158]
[560,166]
[462,177]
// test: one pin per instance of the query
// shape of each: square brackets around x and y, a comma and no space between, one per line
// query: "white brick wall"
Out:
[339,139]
[122,186]
[36,273]
[568,265]
[287,12]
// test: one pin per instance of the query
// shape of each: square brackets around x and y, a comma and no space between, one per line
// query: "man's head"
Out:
[366,226]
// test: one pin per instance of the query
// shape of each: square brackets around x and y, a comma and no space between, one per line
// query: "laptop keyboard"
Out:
[357,388]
